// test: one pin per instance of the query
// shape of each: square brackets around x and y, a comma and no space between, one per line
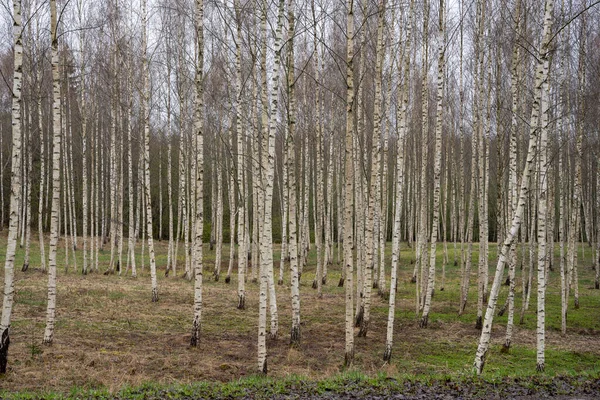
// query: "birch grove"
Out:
[297,142]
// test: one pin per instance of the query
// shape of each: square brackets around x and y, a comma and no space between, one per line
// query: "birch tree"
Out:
[266,280]
[372,218]
[242,257]
[349,188]
[541,223]
[575,218]
[512,172]
[437,164]
[145,113]
[199,146]
[84,150]
[295,334]
[15,187]
[399,194]
[56,183]
[541,75]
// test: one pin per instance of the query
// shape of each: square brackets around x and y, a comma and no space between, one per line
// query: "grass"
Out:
[110,339]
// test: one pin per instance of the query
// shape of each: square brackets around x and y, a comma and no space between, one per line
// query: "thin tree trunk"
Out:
[542,230]
[512,174]
[29,182]
[42,180]
[437,165]
[575,224]
[349,187]
[199,148]
[133,224]
[9,265]
[232,231]
[146,119]
[402,133]
[479,128]
[56,147]
[218,221]
[84,150]
[266,279]
[295,333]
[171,248]
[541,76]
[318,203]
[421,250]
[372,218]
[242,251]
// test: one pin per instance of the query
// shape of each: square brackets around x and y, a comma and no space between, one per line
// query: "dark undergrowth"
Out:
[349,385]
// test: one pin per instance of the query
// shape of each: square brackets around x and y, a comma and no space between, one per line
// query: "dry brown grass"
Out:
[109,334]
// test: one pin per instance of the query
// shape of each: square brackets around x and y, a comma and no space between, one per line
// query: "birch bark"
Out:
[541,75]
[372,219]
[15,191]
[437,164]
[56,184]
[146,120]
[402,133]
[295,334]
[348,191]
[199,147]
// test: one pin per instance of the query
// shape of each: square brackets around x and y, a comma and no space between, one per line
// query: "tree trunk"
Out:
[266,279]
[541,76]
[318,203]
[199,148]
[56,147]
[437,165]
[242,256]
[512,174]
[402,133]
[295,333]
[42,180]
[145,113]
[575,224]
[372,218]
[348,192]
[542,230]
[421,250]
[15,191]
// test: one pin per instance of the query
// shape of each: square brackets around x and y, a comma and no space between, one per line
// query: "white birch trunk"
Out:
[541,76]
[399,194]
[421,250]
[56,184]
[171,247]
[219,221]
[542,230]
[575,222]
[267,233]
[199,148]
[318,203]
[437,166]
[512,176]
[478,105]
[42,180]
[145,113]
[242,251]
[84,150]
[372,218]
[133,231]
[27,166]
[295,333]
[11,247]
[348,191]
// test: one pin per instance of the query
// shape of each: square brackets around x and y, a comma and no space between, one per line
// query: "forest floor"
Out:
[110,337]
